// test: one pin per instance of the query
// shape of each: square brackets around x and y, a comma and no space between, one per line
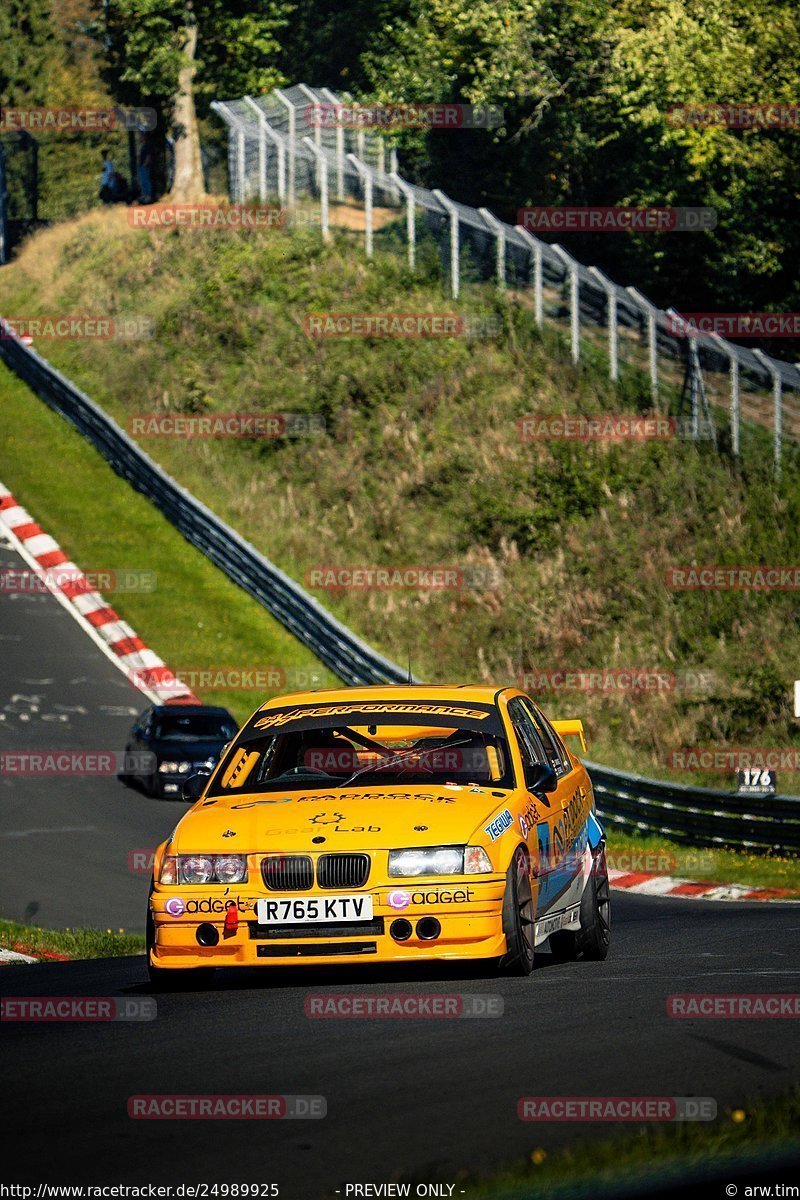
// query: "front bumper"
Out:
[471,927]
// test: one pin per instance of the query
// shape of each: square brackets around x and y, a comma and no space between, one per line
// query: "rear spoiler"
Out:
[571,729]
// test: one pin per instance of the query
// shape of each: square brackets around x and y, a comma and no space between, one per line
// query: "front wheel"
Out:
[518,917]
[592,940]
[174,979]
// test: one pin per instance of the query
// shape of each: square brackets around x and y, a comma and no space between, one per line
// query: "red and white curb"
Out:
[117,640]
[642,884]
[12,956]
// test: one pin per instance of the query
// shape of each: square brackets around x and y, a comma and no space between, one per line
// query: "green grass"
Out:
[73,943]
[652,1156]
[656,854]
[195,618]
[421,464]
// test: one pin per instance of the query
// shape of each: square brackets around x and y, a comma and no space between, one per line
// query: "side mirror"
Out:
[194,786]
[540,777]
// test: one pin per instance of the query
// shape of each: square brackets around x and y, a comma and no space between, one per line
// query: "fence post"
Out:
[3,209]
[498,229]
[411,231]
[241,175]
[322,172]
[613,333]
[292,181]
[455,244]
[393,170]
[650,311]
[574,301]
[536,250]
[334,100]
[366,178]
[317,128]
[777,401]
[262,147]
[733,374]
[268,132]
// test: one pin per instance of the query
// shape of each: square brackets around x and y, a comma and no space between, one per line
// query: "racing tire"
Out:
[519,919]
[591,942]
[173,979]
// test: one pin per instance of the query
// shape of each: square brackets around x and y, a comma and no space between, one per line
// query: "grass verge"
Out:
[195,618]
[69,943]
[564,547]
[652,1157]
[629,852]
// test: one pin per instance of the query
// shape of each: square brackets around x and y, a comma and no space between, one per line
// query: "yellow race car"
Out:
[384,824]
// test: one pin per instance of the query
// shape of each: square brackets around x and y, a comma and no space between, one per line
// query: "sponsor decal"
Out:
[528,819]
[442,896]
[336,819]
[229,833]
[385,709]
[398,899]
[499,825]
[177,907]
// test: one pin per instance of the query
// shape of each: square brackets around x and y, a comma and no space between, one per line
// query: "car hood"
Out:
[347,819]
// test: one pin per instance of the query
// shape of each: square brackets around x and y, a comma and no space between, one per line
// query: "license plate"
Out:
[308,910]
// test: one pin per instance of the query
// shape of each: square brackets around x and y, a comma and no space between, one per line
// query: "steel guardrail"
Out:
[695,815]
[351,659]
[634,803]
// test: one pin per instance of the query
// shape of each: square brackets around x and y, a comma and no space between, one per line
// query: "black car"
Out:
[170,742]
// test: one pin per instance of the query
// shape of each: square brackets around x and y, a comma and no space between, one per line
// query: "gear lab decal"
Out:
[499,825]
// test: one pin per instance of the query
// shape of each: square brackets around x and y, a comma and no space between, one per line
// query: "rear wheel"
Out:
[518,917]
[174,979]
[592,940]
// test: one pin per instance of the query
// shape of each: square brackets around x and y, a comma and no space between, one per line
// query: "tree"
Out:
[177,55]
[25,39]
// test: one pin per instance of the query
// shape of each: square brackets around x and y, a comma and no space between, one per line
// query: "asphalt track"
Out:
[423,1097]
[65,841]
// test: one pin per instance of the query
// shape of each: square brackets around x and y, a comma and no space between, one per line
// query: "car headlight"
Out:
[230,868]
[197,868]
[174,768]
[204,868]
[429,860]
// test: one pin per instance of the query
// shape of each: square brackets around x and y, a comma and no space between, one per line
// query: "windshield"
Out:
[207,727]
[357,745]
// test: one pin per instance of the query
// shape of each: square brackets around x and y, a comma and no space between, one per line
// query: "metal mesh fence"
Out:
[288,145]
